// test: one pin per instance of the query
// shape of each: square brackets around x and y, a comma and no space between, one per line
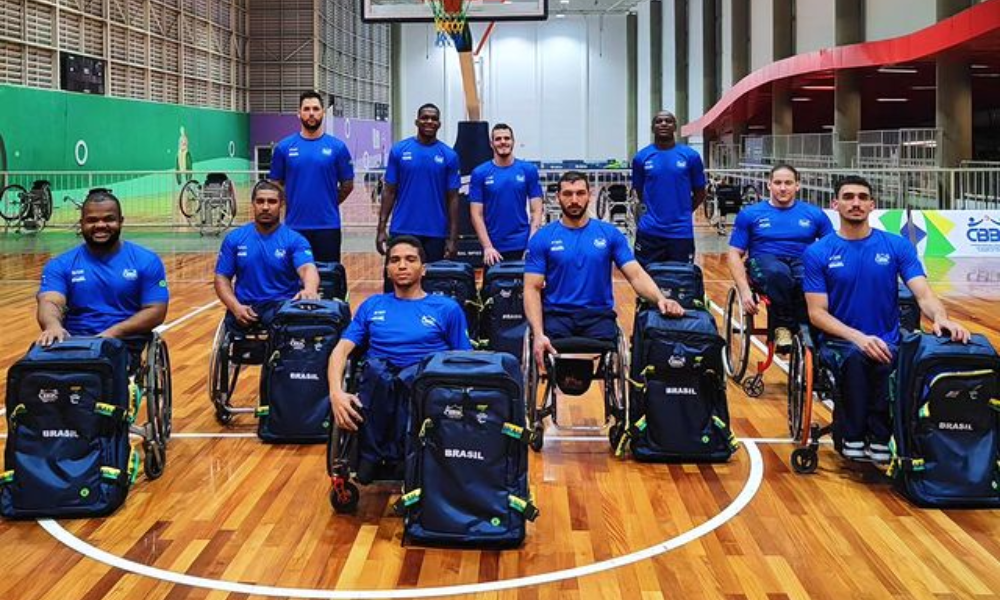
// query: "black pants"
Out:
[325,243]
[651,249]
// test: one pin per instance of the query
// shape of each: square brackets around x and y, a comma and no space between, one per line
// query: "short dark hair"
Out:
[850,180]
[97,195]
[408,240]
[427,105]
[502,126]
[571,176]
[266,185]
[783,167]
[310,94]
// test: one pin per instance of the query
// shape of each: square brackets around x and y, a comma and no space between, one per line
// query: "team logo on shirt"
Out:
[279,253]
[130,274]
[764,223]
[439,159]
[681,163]
[327,151]
[427,321]
[241,251]
[835,261]
[557,246]
[805,223]
[520,178]
[648,165]
[378,316]
[407,155]
[600,243]
[881,258]
[77,276]
[489,180]
[293,152]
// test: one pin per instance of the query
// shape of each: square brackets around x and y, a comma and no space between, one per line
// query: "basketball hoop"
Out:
[451,24]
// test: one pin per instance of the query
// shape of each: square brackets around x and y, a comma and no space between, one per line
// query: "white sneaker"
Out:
[853,450]
[878,453]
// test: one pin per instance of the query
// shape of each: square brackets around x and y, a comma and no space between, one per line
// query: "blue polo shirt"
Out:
[860,279]
[311,171]
[667,179]
[103,291]
[763,228]
[504,193]
[423,175]
[403,331]
[265,266]
[576,264]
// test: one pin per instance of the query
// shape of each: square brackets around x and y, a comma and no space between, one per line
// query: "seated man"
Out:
[851,289]
[104,287]
[775,234]
[268,261]
[396,330]
[571,260]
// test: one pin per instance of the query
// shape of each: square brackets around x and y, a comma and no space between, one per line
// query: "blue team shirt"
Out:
[763,228]
[103,291]
[403,331]
[311,171]
[265,266]
[860,279]
[423,175]
[504,192]
[576,264]
[667,178]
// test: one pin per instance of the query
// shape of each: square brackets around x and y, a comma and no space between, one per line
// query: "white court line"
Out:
[754,480]
[186,317]
[209,435]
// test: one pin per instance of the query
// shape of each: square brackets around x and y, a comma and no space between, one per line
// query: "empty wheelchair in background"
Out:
[618,205]
[571,371]
[26,211]
[211,207]
[721,200]
[550,204]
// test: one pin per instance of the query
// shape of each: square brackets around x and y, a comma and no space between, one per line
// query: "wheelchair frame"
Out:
[625,220]
[210,207]
[807,377]
[224,372]
[27,211]
[740,328]
[152,376]
[616,399]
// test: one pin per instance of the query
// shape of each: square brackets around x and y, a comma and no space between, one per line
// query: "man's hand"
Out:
[958,333]
[450,248]
[748,302]
[52,335]
[874,348]
[491,256]
[542,346]
[670,307]
[380,239]
[346,411]
[245,315]
[306,295]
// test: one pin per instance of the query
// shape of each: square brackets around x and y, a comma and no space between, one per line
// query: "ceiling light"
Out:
[819,88]
[830,127]
[563,1]
[923,88]
[892,99]
[560,16]
[757,127]
[979,66]
[800,99]
[898,70]
[990,75]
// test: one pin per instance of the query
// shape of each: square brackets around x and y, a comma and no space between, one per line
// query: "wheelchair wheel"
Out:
[344,497]
[44,204]
[603,199]
[800,385]
[738,326]
[218,375]
[709,205]
[227,210]
[189,200]
[538,436]
[750,194]
[805,460]
[159,391]
[155,459]
[13,202]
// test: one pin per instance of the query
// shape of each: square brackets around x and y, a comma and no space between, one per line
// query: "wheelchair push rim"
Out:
[738,331]
[800,392]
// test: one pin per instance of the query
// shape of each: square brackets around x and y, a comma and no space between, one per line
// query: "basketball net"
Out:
[451,24]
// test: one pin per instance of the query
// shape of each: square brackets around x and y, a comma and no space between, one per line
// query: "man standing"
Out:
[104,287]
[569,261]
[670,181]
[851,289]
[318,175]
[421,190]
[500,191]
[775,234]
[268,261]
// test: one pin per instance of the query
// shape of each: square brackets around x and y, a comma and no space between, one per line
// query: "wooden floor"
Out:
[229,509]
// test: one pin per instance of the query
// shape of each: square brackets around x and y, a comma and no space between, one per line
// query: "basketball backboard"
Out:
[415,11]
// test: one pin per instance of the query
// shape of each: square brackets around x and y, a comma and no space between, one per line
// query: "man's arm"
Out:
[490,254]
[344,190]
[450,247]
[931,306]
[309,276]
[697,197]
[388,201]
[50,312]
[536,215]
[146,320]
[533,284]
[647,289]
[346,407]
[244,314]
[819,315]
[734,259]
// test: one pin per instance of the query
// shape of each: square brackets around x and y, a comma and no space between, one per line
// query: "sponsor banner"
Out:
[941,233]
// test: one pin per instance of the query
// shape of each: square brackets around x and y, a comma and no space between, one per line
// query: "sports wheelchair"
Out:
[232,350]
[723,199]
[808,377]
[27,211]
[550,203]
[739,329]
[212,207]
[618,205]
[149,371]
[577,362]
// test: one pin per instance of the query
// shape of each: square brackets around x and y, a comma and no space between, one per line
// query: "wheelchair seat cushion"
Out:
[573,345]
[216,178]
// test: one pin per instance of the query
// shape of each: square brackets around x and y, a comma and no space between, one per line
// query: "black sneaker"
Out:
[853,450]
[878,452]
[366,472]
